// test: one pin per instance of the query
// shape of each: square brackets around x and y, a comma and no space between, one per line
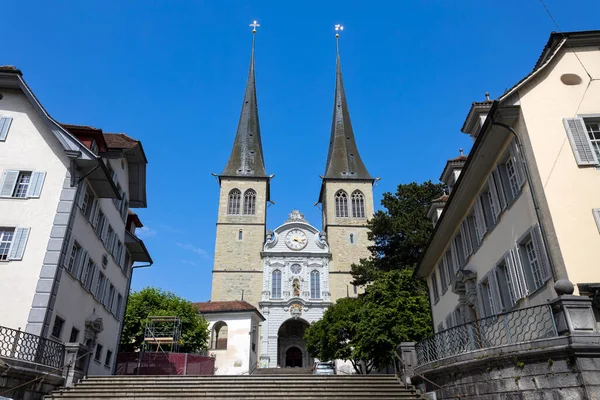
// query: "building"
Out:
[293,273]
[67,234]
[519,228]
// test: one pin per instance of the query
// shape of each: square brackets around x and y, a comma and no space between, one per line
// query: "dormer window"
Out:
[94,147]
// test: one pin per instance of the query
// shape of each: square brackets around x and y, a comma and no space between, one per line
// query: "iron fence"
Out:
[517,326]
[24,346]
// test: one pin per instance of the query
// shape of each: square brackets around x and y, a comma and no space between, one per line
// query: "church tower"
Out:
[346,196]
[244,193]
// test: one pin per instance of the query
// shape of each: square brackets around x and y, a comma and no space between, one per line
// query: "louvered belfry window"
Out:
[235,198]
[358,204]
[250,202]
[341,204]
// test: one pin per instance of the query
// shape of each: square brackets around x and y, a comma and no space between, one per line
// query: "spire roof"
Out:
[246,159]
[343,160]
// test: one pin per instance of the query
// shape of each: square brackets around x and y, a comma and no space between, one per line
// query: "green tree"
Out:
[400,232]
[156,302]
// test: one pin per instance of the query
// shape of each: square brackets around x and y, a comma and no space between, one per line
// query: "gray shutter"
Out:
[480,219]
[516,157]
[82,264]
[67,254]
[17,247]
[514,288]
[95,210]
[9,180]
[35,186]
[82,190]
[521,284]
[540,251]
[499,187]
[580,141]
[496,297]
[494,198]
[464,233]
[104,233]
[4,126]
[596,212]
[454,252]
[480,299]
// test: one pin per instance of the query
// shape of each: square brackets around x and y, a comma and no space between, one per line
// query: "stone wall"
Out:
[18,380]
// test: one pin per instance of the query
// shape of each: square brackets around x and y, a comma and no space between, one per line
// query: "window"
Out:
[434,288]
[22,185]
[4,126]
[100,220]
[355,289]
[88,203]
[100,290]
[98,354]
[111,298]
[489,213]
[58,325]
[240,234]
[233,206]
[73,259]
[108,358]
[485,299]
[460,250]
[219,336]
[315,285]
[534,259]
[352,238]
[506,284]
[12,243]
[358,204]
[249,202]
[117,310]
[443,276]
[276,284]
[449,261]
[6,238]
[341,204]
[593,129]
[111,238]
[513,180]
[87,277]
[74,336]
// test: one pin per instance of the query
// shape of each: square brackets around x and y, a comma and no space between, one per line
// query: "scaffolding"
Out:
[162,333]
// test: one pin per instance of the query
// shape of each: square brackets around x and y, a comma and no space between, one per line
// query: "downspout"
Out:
[534,198]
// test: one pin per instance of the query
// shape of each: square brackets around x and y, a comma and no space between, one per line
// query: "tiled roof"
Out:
[81,128]
[223,306]
[10,68]
[462,157]
[119,141]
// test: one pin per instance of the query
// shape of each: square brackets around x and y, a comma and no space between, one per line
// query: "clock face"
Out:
[296,268]
[296,239]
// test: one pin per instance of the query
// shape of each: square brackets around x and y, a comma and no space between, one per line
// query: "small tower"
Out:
[244,193]
[346,195]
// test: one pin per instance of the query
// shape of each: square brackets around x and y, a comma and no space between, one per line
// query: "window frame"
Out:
[358,204]
[5,244]
[60,326]
[341,204]
[276,280]
[315,284]
[234,202]
[434,288]
[249,202]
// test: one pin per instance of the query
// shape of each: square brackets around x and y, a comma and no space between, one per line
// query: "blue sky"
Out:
[172,74]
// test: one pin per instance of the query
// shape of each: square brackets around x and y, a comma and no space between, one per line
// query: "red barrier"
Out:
[164,364]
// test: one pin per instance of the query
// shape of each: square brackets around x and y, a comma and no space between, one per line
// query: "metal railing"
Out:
[517,326]
[24,346]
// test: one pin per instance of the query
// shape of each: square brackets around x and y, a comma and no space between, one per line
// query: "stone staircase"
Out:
[266,387]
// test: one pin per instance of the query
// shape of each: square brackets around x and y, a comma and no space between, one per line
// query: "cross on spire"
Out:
[254,25]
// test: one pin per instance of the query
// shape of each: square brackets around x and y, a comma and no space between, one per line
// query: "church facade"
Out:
[293,273]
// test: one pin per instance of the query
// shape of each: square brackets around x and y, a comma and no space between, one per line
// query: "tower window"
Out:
[341,204]
[315,285]
[358,204]
[352,238]
[235,197]
[250,202]
[240,234]
[276,284]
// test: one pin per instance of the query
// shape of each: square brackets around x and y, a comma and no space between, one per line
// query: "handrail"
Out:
[25,346]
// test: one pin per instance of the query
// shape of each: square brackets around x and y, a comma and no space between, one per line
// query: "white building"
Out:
[67,237]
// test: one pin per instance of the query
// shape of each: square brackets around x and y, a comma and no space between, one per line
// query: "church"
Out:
[288,276]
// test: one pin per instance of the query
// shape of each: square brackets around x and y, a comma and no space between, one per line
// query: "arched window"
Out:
[219,336]
[341,204]
[315,285]
[276,284]
[358,204]
[352,238]
[249,202]
[235,197]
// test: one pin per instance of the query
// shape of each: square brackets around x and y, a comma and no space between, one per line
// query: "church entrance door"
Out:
[293,357]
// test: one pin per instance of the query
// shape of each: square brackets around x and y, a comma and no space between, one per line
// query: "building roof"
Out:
[133,217]
[452,164]
[246,159]
[120,141]
[10,68]
[207,307]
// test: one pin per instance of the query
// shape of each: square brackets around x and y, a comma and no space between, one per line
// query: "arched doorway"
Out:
[293,357]
[291,349]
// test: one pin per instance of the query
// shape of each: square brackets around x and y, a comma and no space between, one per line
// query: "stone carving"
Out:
[296,286]
[296,215]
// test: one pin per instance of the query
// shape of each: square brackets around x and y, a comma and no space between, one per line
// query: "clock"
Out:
[296,239]
[296,268]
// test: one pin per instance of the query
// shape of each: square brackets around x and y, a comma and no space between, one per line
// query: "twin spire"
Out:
[343,160]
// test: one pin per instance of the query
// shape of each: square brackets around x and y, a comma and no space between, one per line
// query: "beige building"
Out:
[293,273]
[521,221]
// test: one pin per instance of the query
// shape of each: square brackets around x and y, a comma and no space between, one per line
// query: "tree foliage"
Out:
[395,306]
[400,232]
[156,302]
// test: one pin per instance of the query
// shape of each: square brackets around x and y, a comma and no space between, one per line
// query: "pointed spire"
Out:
[246,157]
[343,160]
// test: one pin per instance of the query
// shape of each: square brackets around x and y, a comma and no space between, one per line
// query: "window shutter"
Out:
[35,187]
[18,245]
[82,264]
[494,197]
[596,212]
[104,234]
[4,126]
[540,250]
[95,210]
[493,282]
[580,141]
[516,157]
[480,299]
[479,218]
[67,254]
[499,187]
[82,190]
[454,253]
[464,233]
[521,283]
[9,180]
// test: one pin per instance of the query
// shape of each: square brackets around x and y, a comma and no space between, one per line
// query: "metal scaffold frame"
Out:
[162,333]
